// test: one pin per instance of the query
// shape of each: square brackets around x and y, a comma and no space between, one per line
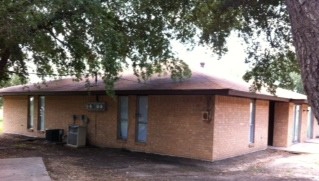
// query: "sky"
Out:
[231,64]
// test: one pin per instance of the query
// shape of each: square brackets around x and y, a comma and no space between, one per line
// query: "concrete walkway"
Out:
[21,169]
[310,146]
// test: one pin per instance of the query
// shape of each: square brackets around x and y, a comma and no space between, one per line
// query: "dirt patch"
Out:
[91,163]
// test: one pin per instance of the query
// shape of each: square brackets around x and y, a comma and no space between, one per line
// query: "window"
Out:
[252,121]
[31,113]
[123,118]
[142,119]
[296,131]
[41,125]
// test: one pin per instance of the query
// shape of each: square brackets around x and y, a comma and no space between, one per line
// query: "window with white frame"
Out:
[30,113]
[142,119]
[123,118]
[252,121]
[41,122]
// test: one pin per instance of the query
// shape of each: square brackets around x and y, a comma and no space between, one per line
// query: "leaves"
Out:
[91,37]
[88,37]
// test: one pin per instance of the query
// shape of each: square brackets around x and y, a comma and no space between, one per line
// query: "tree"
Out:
[304,22]
[95,36]
[91,37]
[298,85]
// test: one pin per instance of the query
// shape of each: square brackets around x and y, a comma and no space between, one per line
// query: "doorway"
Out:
[271,123]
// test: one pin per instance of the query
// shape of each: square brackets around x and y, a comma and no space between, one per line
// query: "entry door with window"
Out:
[41,125]
[142,119]
[296,131]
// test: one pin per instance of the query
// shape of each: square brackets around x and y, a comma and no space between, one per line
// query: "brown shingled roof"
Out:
[199,83]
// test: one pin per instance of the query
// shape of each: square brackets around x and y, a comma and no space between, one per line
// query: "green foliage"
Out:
[90,37]
[298,85]
[265,28]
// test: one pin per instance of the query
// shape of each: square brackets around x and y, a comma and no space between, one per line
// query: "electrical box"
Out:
[76,136]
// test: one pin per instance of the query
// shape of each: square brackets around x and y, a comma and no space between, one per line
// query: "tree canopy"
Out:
[91,37]
[88,37]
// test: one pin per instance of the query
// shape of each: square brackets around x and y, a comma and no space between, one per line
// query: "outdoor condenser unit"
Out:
[76,136]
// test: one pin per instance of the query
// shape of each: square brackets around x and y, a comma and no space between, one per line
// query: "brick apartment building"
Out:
[205,117]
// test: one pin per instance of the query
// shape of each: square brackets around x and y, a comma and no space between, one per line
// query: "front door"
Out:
[271,123]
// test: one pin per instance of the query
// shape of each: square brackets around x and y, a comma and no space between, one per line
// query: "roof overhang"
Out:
[299,101]
[225,92]
[253,95]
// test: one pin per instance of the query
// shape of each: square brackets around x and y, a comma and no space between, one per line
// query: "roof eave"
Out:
[299,101]
[226,92]
[253,95]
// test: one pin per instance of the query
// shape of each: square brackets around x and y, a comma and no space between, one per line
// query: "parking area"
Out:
[91,163]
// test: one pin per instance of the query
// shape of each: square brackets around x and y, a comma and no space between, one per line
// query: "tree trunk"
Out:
[304,18]
[4,56]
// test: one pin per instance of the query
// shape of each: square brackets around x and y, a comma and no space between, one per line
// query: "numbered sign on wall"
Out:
[96,106]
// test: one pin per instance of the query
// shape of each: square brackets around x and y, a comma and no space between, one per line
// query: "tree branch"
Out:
[57,39]
[5,55]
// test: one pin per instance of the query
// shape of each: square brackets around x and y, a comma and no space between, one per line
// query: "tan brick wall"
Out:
[175,124]
[15,116]
[232,125]
[281,124]
[284,124]
[102,125]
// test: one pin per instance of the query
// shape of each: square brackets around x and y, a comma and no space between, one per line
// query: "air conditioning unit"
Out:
[76,136]
[54,135]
